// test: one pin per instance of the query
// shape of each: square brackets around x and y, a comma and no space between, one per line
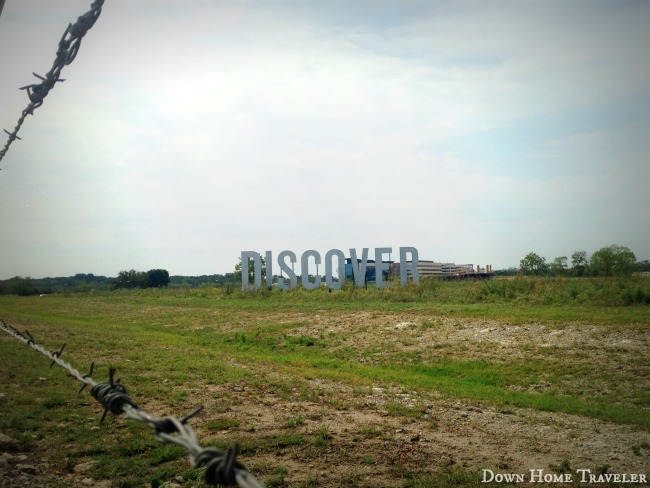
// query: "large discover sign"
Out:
[408,265]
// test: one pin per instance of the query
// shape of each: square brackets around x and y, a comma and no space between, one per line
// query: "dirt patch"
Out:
[377,448]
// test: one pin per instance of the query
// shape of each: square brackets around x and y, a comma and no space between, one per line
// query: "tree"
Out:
[559,266]
[613,260]
[643,266]
[22,286]
[505,272]
[134,279]
[125,279]
[141,279]
[157,278]
[579,263]
[251,270]
[533,264]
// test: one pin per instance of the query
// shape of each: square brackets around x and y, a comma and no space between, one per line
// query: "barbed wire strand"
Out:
[220,467]
[65,54]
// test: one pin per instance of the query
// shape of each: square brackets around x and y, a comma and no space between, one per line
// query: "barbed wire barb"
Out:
[65,54]
[86,376]
[221,468]
[57,354]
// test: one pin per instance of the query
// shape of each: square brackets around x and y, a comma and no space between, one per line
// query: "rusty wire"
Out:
[220,467]
[65,54]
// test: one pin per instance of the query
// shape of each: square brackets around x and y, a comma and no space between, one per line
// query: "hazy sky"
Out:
[189,131]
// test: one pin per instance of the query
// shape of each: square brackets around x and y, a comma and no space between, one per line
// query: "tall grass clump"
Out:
[518,290]
[611,291]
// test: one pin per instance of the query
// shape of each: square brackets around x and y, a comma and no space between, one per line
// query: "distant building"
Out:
[426,269]
[370,269]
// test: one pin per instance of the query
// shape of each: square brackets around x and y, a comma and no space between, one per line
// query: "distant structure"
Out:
[392,269]
[426,269]
[449,271]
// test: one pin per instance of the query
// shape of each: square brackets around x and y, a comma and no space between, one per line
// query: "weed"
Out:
[289,440]
[430,324]
[294,422]
[369,460]
[371,431]
[221,424]
[322,436]
[277,479]
[179,396]
[410,412]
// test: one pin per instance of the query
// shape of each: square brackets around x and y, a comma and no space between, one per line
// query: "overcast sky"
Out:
[189,131]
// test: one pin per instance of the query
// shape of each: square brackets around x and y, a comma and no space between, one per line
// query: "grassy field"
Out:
[416,386]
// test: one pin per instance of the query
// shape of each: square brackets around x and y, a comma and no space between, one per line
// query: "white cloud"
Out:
[192,131]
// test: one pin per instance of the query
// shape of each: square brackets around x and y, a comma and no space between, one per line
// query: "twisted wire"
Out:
[221,468]
[65,54]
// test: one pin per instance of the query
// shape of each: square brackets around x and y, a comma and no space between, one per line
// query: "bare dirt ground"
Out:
[362,442]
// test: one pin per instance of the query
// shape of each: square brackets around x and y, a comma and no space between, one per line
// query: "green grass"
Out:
[175,321]
[294,422]
[222,424]
[167,343]
[603,300]
[463,379]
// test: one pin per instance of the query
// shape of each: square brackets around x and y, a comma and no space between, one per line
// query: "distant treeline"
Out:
[82,282]
[611,260]
[19,285]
